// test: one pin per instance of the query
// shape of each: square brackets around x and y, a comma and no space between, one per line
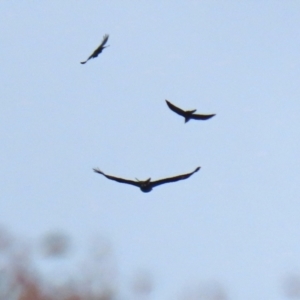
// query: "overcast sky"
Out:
[236,221]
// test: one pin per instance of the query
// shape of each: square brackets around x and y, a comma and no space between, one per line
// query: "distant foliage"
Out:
[55,244]
[95,278]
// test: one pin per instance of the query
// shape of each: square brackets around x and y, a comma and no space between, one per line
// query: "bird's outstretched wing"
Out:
[173,179]
[121,180]
[201,117]
[176,109]
[98,50]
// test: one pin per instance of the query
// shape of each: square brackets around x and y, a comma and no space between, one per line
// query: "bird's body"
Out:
[147,185]
[99,49]
[188,114]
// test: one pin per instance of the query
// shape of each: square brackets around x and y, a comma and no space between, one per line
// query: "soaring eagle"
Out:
[147,185]
[188,114]
[99,49]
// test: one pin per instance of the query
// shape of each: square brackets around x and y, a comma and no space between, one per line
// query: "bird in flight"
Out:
[188,114]
[99,49]
[147,185]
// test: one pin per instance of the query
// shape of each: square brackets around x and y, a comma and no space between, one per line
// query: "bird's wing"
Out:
[173,179]
[83,62]
[201,117]
[121,180]
[104,41]
[98,50]
[176,109]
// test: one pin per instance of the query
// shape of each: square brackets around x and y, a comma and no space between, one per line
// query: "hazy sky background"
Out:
[237,220]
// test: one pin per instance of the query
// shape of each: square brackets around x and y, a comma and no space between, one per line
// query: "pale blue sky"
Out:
[237,220]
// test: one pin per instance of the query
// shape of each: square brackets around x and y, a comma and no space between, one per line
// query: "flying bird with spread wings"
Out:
[147,185]
[99,49]
[188,114]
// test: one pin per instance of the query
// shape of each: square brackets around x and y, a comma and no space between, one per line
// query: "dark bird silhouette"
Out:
[188,114]
[99,49]
[147,185]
